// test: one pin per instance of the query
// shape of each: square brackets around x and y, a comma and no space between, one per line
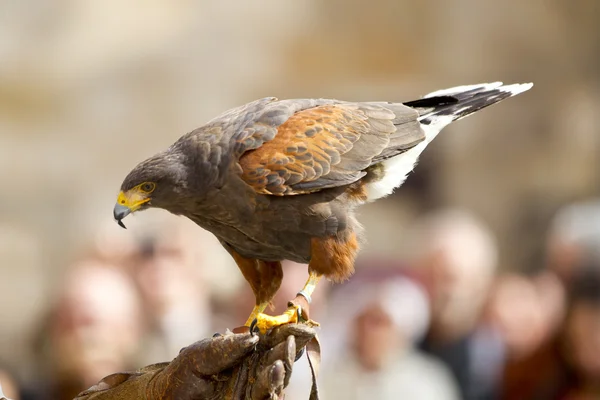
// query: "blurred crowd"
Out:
[442,323]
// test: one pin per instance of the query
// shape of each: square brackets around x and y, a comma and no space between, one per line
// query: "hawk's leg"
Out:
[310,285]
[264,278]
[333,257]
[293,313]
[258,309]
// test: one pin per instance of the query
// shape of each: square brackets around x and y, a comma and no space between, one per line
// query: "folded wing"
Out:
[327,146]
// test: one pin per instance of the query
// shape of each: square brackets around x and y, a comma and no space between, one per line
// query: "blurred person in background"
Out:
[568,366]
[8,385]
[456,254]
[580,346]
[526,313]
[113,245]
[93,330]
[378,324]
[574,238]
[572,255]
[176,300]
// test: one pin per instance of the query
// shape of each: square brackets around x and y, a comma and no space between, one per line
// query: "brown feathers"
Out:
[334,256]
[318,148]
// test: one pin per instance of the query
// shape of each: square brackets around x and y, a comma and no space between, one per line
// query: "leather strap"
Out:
[313,348]
[313,353]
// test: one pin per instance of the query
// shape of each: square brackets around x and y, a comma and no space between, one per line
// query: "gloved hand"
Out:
[231,366]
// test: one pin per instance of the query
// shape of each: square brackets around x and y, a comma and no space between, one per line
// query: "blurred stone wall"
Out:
[89,88]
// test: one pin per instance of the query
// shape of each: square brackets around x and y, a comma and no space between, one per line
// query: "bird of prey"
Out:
[278,180]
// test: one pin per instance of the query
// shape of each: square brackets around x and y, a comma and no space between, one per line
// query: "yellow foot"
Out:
[292,315]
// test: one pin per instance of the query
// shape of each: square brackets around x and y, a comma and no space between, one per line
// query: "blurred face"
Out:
[9,386]
[166,279]
[564,258]
[516,311]
[526,311]
[163,280]
[375,337]
[583,339]
[457,292]
[96,326]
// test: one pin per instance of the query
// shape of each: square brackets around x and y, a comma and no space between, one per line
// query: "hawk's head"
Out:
[156,182]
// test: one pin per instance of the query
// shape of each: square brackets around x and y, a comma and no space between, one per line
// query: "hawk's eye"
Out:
[147,187]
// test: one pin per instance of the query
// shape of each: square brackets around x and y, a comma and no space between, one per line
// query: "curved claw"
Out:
[264,322]
[253,329]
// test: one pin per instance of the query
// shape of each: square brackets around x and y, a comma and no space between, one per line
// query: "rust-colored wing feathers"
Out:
[305,149]
[320,147]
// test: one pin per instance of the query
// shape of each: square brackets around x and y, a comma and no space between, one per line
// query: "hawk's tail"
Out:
[440,108]
[436,110]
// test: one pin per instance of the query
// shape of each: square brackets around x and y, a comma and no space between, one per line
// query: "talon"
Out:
[312,323]
[264,322]
[217,334]
[253,330]
[299,354]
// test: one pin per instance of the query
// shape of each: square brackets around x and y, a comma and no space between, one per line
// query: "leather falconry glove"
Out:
[232,366]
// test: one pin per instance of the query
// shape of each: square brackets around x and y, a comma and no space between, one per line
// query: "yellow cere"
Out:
[137,196]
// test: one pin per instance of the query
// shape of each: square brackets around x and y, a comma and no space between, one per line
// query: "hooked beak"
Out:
[120,211]
[129,202]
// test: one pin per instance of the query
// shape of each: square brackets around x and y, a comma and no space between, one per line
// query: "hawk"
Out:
[278,180]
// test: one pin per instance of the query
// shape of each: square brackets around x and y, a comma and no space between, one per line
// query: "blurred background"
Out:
[481,275]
